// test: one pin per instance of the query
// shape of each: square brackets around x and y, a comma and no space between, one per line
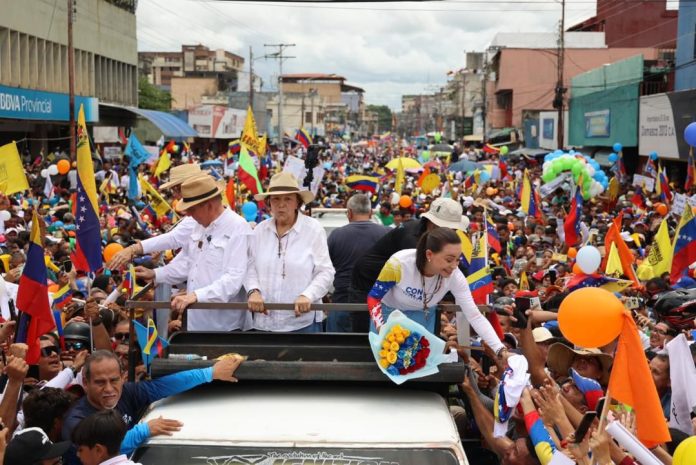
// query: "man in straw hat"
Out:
[175,237]
[213,261]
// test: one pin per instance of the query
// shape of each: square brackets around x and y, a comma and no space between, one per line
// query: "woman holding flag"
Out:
[416,280]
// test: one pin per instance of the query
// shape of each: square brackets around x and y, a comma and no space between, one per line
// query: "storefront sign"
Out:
[598,124]
[217,122]
[663,118]
[19,103]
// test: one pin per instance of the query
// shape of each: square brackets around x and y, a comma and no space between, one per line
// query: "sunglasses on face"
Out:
[121,336]
[50,350]
[76,345]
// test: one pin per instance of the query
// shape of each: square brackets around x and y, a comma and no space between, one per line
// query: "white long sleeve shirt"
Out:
[173,239]
[213,262]
[406,292]
[283,269]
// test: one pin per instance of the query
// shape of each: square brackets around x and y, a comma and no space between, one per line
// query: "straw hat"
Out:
[181,173]
[447,213]
[197,190]
[285,183]
[561,357]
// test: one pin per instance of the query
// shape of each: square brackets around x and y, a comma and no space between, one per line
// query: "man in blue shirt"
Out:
[105,389]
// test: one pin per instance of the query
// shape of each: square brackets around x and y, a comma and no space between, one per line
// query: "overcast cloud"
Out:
[386,48]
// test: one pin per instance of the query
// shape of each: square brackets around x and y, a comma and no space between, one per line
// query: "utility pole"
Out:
[251,78]
[280,57]
[72,11]
[560,90]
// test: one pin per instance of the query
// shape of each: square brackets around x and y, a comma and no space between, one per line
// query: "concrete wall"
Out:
[531,75]
[100,27]
[637,23]
[188,92]
[329,91]
[685,74]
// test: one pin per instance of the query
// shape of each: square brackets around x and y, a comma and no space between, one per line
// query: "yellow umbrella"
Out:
[407,163]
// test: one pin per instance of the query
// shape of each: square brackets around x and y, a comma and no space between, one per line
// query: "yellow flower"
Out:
[394,346]
[386,345]
[391,337]
[384,363]
[383,353]
[391,357]
[406,333]
[400,338]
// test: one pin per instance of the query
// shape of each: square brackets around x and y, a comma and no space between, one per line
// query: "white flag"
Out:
[682,374]
[48,187]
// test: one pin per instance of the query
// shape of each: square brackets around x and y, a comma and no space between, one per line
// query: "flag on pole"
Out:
[32,296]
[638,198]
[303,137]
[467,247]
[250,137]
[662,186]
[571,225]
[650,169]
[247,172]
[142,334]
[684,244]
[137,155]
[160,206]
[631,383]
[524,281]
[614,266]
[400,177]
[363,183]
[58,318]
[625,255]
[527,197]
[479,279]
[12,175]
[151,338]
[660,254]
[87,255]
[48,187]
[493,237]
[62,297]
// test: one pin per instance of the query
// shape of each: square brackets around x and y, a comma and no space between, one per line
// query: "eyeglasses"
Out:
[121,336]
[76,345]
[50,350]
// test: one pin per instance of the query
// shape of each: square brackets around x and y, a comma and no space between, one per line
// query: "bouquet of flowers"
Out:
[404,349]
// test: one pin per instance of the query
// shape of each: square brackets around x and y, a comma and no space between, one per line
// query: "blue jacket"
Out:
[135,398]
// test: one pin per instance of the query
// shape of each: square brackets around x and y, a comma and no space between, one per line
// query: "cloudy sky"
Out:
[389,49]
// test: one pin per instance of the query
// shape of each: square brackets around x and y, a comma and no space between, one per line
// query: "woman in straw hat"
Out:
[289,261]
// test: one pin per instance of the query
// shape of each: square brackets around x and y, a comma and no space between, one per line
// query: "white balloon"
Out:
[44,173]
[53,170]
[590,169]
[395,198]
[5,215]
[588,259]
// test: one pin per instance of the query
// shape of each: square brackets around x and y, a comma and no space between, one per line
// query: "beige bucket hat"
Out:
[285,183]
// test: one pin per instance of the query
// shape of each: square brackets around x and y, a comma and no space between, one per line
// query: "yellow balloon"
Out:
[686,452]
[430,183]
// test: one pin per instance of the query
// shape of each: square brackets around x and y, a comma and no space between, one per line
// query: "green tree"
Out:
[152,98]
[384,122]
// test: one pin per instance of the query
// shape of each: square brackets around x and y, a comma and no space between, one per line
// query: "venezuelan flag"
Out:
[143,336]
[128,285]
[32,296]
[88,254]
[663,187]
[62,297]
[303,137]
[493,237]
[57,317]
[363,183]
[527,197]
[479,279]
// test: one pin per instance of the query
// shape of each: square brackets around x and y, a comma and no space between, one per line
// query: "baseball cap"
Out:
[542,334]
[32,445]
[589,388]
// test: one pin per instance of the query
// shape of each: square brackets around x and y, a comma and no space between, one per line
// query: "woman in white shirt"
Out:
[288,261]
[415,281]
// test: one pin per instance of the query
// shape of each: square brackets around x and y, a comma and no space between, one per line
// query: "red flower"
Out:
[424,342]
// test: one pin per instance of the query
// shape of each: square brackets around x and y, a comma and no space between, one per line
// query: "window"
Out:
[308,117]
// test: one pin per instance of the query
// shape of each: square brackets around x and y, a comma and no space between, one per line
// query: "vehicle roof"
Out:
[306,415]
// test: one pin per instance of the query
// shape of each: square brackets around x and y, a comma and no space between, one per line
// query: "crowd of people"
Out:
[402,248]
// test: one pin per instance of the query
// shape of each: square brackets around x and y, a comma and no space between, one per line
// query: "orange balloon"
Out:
[63,166]
[405,201]
[110,250]
[591,317]
[662,209]
[576,269]
[53,288]
[572,252]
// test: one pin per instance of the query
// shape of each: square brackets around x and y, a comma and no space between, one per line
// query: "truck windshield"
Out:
[221,455]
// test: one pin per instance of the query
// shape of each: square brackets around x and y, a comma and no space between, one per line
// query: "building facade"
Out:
[34,58]
[685,74]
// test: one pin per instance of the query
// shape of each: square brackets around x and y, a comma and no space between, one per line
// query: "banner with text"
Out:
[661,124]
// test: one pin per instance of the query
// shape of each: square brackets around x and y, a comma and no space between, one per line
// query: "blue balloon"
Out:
[484,176]
[653,156]
[249,211]
[58,224]
[690,134]
[613,158]
[618,147]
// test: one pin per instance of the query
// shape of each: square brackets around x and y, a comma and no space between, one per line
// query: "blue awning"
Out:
[170,125]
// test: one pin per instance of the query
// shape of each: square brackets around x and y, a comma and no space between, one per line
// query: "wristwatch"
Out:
[251,291]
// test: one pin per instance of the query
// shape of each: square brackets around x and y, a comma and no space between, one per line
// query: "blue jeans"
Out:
[339,322]
[426,318]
